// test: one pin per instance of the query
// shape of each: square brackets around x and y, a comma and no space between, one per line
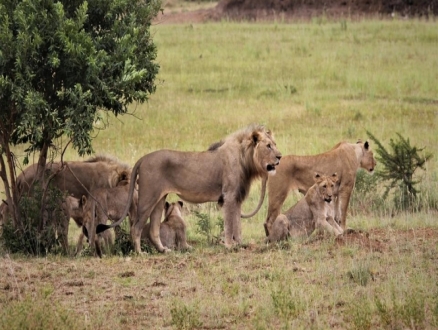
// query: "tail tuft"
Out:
[100,228]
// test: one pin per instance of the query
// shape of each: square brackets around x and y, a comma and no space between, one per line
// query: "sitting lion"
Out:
[172,229]
[296,173]
[315,211]
[222,174]
[105,204]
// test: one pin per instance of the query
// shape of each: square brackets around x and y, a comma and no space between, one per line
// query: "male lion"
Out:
[222,174]
[296,173]
[106,204]
[172,229]
[76,178]
[313,212]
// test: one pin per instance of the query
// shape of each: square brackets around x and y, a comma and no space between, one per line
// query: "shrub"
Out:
[206,227]
[398,168]
[38,235]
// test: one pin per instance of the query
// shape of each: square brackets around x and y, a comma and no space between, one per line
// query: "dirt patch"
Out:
[255,10]
[361,239]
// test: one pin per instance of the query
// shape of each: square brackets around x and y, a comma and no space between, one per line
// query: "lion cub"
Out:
[315,211]
[172,229]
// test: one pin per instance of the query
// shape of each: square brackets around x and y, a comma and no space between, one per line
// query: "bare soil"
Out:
[289,10]
[136,292]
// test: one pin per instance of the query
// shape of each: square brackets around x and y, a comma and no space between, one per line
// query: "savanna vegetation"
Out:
[313,84]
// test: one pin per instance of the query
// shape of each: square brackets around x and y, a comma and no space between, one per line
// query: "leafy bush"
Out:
[398,168]
[206,227]
[38,234]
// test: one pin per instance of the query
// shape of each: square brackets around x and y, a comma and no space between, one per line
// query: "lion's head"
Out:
[326,186]
[266,155]
[173,209]
[367,161]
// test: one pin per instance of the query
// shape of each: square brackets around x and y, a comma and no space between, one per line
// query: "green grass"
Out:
[314,84]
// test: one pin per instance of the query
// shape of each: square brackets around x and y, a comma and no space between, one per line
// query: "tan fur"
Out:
[296,173]
[172,229]
[222,174]
[77,178]
[74,209]
[105,204]
[314,211]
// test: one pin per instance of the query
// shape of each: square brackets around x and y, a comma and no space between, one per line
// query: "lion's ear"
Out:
[180,203]
[256,137]
[123,176]
[366,145]
[316,177]
[359,141]
[335,177]
[83,200]
[166,206]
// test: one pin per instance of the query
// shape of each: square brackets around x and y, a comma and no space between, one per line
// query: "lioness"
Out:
[172,229]
[223,174]
[314,211]
[76,178]
[106,204]
[296,173]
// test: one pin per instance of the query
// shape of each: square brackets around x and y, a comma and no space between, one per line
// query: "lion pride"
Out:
[222,174]
[296,173]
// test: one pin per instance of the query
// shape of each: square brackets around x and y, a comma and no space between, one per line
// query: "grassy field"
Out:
[313,84]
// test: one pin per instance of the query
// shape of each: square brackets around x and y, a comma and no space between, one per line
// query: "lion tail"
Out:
[262,197]
[102,227]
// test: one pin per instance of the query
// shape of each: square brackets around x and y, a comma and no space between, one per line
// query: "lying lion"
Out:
[296,173]
[172,229]
[314,212]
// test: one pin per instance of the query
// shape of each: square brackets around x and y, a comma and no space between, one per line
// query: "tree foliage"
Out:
[61,63]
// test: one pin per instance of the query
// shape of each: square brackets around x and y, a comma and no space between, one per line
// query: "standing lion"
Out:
[222,174]
[296,173]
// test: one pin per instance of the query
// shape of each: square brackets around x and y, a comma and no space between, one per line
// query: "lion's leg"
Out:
[63,231]
[338,230]
[182,238]
[232,224]
[154,229]
[80,243]
[276,197]
[341,208]
[155,212]
[323,225]
[279,230]
[108,240]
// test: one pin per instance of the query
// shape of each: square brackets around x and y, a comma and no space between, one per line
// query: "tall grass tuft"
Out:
[39,313]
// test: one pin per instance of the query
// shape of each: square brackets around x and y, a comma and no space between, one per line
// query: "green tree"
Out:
[61,63]
[399,167]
